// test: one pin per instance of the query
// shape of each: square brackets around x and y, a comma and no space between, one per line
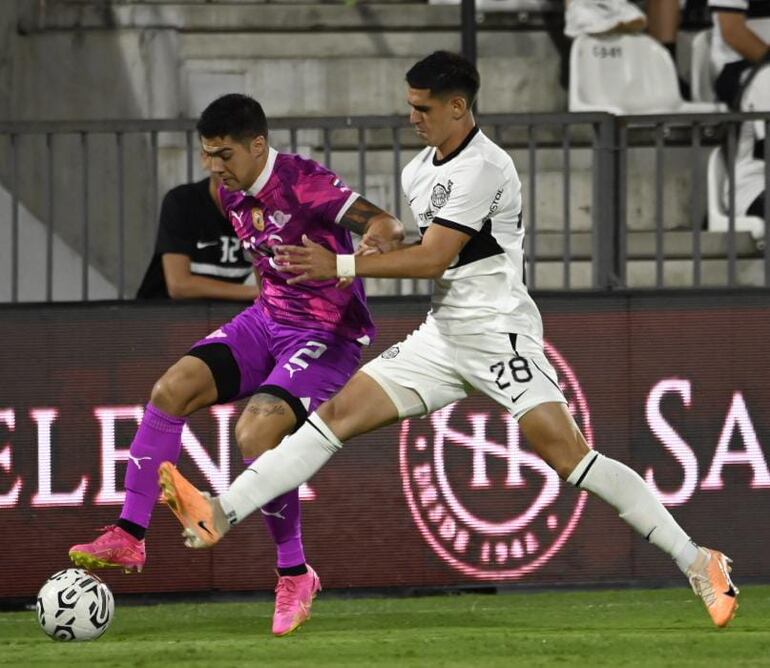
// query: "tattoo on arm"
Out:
[359,214]
[265,405]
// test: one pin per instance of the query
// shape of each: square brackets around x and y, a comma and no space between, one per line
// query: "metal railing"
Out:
[609,202]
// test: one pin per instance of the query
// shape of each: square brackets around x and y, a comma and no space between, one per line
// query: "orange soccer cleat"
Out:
[196,511]
[710,579]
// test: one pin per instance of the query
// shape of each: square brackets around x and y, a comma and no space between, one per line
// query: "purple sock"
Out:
[284,520]
[158,439]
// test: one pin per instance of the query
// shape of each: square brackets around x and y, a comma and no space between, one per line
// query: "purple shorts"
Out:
[309,364]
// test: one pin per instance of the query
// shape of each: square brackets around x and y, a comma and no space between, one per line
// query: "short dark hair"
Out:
[233,115]
[445,72]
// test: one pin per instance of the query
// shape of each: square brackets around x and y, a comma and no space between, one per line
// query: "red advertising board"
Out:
[676,386]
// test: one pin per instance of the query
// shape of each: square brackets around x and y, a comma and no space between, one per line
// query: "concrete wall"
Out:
[133,59]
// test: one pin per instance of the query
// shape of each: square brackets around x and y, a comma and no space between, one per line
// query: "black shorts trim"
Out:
[227,374]
[300,412]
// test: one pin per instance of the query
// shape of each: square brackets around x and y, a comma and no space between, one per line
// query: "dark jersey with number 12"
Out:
[192,225]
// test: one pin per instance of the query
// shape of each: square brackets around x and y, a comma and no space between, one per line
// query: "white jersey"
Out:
[757,18]
[476,190]
[749,156]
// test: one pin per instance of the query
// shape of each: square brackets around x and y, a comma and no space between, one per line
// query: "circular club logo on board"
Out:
[487,506]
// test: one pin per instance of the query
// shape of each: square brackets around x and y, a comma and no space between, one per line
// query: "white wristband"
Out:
[346,266]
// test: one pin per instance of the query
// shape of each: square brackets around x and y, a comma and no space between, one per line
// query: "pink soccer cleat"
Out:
[294,596]
[115,548]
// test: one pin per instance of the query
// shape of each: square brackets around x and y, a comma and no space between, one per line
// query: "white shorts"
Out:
[513,370]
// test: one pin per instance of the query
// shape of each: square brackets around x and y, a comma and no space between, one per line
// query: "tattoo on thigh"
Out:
[265,405]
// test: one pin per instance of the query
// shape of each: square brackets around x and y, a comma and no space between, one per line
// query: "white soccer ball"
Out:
[75,604]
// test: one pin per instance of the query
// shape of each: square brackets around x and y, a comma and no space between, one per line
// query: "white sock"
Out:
[294,461]
[625,491]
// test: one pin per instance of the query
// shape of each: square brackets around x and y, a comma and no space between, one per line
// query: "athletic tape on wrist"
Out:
[346,266]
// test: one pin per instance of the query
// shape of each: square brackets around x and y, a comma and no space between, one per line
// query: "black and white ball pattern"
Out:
[75,604]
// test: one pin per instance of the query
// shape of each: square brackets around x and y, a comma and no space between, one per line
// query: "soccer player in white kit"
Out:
[483,333]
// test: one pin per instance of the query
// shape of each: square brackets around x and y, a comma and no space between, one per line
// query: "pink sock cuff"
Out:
[157,419]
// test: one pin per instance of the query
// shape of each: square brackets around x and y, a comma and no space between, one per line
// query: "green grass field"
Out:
[667,627]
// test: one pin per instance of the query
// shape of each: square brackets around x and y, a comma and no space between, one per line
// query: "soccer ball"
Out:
[74,604]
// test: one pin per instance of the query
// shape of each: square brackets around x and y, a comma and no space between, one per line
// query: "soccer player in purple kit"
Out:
[291,350]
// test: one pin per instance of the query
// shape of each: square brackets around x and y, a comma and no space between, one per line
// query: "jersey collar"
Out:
[267,172]
[456,152]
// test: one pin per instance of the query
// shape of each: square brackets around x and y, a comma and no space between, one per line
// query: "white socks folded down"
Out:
[294,461]
[625,491]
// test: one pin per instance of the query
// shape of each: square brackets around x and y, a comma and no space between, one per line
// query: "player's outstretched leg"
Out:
[205,524]
[553,433]
[201,516]
[708,570]
[294,596]
[121,545]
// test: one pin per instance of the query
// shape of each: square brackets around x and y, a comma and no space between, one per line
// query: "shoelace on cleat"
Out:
[109,530]
[284,591]
[106,532]
[702,587]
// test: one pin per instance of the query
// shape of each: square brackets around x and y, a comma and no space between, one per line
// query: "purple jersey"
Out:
[293,196]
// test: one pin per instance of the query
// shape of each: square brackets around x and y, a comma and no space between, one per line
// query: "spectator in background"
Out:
[663,19]
[740,48]
[197,252]
[749,172]
[740,56]
[602,17]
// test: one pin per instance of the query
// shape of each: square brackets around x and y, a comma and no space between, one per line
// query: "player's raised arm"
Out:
[379,230]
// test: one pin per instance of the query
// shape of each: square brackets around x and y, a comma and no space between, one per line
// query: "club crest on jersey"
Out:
[279,218]
[390,353]
[486,505]
[258,219]
[440,194]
